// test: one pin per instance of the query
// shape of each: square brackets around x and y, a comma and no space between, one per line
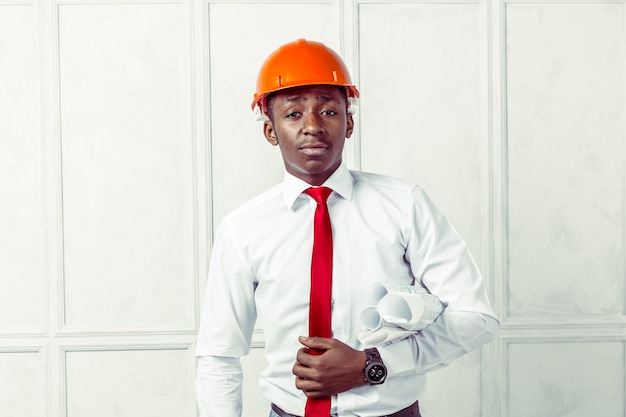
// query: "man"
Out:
[383,230]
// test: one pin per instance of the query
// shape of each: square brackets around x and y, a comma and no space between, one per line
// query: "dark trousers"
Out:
[411,411]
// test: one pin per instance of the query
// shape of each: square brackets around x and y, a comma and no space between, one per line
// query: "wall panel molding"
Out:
[23,378]
[27,346]
[22,207]
[186,234]
[495,376]
[591,2]
[576,329]
[564,69]
[170,386]
[543,369]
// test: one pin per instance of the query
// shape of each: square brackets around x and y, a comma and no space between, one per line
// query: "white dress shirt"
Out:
[384,230]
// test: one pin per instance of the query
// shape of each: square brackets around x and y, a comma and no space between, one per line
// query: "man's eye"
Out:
[329,112]
[292,115]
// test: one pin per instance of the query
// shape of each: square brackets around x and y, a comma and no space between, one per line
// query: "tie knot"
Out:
[319,194]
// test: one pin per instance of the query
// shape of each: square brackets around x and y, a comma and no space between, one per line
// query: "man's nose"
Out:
[312,123]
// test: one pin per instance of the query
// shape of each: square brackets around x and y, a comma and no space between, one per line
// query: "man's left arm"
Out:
[452,335]
[441,262]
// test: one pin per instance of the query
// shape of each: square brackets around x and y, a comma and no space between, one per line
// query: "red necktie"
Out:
[321,286]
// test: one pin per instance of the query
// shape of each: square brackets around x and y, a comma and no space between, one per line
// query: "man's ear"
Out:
[349,125]
[270,133]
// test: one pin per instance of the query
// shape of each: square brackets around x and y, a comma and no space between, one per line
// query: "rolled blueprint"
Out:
[396,312]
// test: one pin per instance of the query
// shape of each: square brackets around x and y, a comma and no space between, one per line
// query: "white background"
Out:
[126,135]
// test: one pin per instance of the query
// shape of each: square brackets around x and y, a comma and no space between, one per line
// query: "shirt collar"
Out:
[340,182]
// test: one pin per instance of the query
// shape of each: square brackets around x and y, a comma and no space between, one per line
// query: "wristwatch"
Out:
[375,371]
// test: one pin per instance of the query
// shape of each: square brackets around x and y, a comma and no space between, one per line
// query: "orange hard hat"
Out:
[301,63]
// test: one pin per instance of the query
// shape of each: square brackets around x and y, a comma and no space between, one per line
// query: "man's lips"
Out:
[314,149]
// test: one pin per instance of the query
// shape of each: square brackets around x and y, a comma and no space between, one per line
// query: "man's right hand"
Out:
[338,368]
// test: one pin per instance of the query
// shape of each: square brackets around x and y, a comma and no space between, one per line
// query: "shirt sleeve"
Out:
[218,386]
[226,327]
[441,262]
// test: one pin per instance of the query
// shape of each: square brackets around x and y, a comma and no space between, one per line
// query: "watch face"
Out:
[376,373]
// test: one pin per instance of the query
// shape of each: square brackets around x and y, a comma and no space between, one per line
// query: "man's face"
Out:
[310,125]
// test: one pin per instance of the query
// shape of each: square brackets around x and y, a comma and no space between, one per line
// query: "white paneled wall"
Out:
[22,241]
[126,135]
[566,103]
[564,271]
[127,171]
